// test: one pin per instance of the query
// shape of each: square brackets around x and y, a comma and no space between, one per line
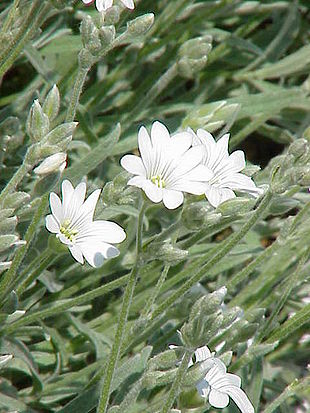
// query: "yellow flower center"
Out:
[68,232]
[158,181]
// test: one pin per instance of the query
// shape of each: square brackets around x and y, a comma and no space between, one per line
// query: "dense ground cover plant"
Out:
[179,131]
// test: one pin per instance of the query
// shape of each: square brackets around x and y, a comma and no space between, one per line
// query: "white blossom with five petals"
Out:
[168,166]
[103,5]
[226,169]
[72,222]
[218,385]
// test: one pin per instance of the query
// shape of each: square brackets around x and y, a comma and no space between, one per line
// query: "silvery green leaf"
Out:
[6,241]
[17,199]
[60,133]
[7,225]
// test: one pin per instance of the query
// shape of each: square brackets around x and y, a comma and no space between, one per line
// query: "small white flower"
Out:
[168,166]
[218,385]
[56,162]
[72,221]
[226,169]
[103,5]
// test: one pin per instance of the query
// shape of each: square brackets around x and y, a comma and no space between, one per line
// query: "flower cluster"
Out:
[218,385]
[186,162]
[72,221]
[103,5]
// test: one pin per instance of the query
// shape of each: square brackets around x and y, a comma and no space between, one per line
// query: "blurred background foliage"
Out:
[241,66]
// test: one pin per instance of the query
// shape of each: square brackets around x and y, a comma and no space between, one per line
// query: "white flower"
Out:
[226,169]
[72,221]
[51,164]
[168,166]
[103,5]
[218,385]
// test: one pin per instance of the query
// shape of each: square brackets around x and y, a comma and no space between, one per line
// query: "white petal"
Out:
[202,353]
[217,195]
[172,199]
[89,206]
[154,193]
[200,173]
[218,399]
[103,5]
[62,238]
[240,398]
[191,187]
[145,148]
[76,253]
[189,160]
[241,182]
[102,231]
[219,154]
[95,253]
[180,143]
[160,135]
[51,224]
[128,3]
[87,1]
[79,195]
[67,191]
[206,138]
[138,181]
[56,207]
[238,160]
[133,164]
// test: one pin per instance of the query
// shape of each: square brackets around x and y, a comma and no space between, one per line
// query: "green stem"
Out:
[9,276]
[292,280]
[76,93]
[34,20]
[118,339]
[177,381]
[158,286]
[65,305]
[44,260]
[222,251]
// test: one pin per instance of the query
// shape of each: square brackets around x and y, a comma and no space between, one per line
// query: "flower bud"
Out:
[168,253]
[199,214]
[298,148]
[107,35]
[37,125]
[8,225]
[163,361]
[193,56]
[140,25]
[61,133]
[154,379]
[197,372]
[112,15]
[53,163]
[52,103]
[236,206]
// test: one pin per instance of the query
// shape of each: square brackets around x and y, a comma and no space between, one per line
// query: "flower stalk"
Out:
[118,339]
[175,388]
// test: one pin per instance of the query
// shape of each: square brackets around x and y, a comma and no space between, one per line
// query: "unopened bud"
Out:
[198,215]
[169,254]
[56,162]
[298,148]
[52,103]
[236,206]
[193,56]
[61,133]
[163,361]
[37,124]
[107,35]
[112,15]
[140,25]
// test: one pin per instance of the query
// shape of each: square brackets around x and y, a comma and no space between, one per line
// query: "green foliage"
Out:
[77,84]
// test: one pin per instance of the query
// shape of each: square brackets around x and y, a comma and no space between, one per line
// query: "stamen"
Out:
[68,232]
[158,181]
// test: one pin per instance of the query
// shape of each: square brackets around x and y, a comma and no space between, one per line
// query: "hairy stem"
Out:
[118,339]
